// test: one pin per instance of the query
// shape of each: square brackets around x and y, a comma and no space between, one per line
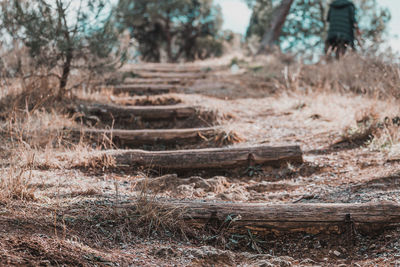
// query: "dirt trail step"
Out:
[263,218]
[220,159]
[148,137]
[159,67]
[129,81]
[172,75]
[160,100]
[145,89]
[141,117]
[147,112]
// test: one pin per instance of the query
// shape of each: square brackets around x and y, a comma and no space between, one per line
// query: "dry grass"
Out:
[374,131]
[44,134]
[15,182]
[364,131]
[29,95]
[29,124]
[34,137]
[224,138]
[357,74]
[155,217]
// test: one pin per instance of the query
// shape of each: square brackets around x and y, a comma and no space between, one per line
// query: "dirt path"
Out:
[75,219]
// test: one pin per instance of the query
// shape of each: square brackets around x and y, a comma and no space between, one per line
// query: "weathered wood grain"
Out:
[151,81]
[144,89]
[148,136]
[144,112]
[171,75]
[310,218]
[216,158]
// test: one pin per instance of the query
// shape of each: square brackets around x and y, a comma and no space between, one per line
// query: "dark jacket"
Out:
[341,18]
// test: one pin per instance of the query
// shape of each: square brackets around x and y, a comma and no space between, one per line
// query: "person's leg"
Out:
[339,51]
[329,48]
[341,48]
[353,46]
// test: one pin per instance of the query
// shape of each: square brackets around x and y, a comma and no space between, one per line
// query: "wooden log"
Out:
[151,81]
[171,75]
[110,111]
[140,137]
[216,158]
[145,89]
[309,218]
[162,100]
[171,68]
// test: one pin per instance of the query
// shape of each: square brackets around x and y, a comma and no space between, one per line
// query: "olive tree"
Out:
[182,29]
[63,35]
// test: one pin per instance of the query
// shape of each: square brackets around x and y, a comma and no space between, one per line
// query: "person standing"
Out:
[342,27]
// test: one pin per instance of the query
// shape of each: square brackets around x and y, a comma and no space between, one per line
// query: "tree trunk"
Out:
[309,218]
[168,36]
[215,158]
[65,74]
[274,31]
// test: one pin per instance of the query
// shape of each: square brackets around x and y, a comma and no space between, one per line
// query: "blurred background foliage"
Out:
[57,37]
[305,29]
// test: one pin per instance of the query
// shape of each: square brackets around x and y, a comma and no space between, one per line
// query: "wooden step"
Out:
[144,117]
[145,89]
[125,138]
[171,68]
[129,81]
[171,75]
[161,100]
[261,218]
[110,111]
[202,159]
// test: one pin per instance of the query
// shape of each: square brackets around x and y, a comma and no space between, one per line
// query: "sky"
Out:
[237,16]
[394,27]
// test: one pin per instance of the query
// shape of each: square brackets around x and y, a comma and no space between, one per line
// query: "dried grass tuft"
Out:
[224,138]
[364,130]
[155,216]
[15,182]
[373,132]
[356,74]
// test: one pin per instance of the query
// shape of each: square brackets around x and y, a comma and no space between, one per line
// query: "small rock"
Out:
[185,189]
[264,263]
[211,254]
[164,252]
[307,261]
[281,262]
[257,256]
[337,253]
